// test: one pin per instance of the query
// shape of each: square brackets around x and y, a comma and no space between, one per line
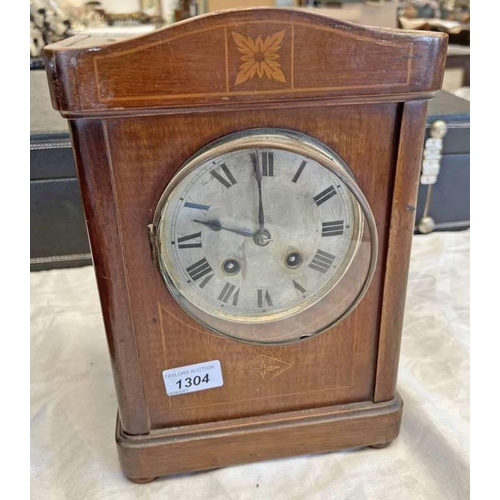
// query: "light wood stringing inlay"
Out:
[260,60]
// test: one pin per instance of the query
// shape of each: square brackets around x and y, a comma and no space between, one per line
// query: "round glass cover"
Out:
[264,236]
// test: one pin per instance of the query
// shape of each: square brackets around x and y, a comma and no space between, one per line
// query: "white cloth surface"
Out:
[73,404]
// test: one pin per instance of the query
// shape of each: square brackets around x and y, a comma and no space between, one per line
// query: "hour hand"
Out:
[216,225]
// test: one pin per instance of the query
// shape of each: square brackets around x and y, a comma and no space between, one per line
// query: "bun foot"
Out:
[380,445]
[141,480]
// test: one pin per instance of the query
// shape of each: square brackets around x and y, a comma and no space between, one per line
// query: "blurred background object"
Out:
[48,24]
[443,202]
[448,16]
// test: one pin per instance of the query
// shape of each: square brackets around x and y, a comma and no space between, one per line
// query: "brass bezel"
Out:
[278,139]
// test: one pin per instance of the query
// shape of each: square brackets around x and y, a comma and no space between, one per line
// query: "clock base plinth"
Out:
[217,444]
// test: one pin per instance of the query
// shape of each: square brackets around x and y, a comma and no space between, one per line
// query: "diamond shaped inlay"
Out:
[265,367]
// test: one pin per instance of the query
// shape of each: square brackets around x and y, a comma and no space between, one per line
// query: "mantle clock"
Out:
[249,181]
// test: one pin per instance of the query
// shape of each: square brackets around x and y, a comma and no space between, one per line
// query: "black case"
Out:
[449,203]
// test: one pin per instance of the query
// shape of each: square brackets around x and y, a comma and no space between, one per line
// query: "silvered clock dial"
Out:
[259,228]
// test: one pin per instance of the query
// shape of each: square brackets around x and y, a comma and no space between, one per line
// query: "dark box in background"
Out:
[449,199]
[58,232]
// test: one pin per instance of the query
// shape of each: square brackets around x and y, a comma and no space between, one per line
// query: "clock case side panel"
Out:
[94,174]
[401,224]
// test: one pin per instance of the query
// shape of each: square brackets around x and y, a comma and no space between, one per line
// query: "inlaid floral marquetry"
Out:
[235,61]
[260,57]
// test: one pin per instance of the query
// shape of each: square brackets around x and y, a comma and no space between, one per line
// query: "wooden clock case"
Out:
[137,109]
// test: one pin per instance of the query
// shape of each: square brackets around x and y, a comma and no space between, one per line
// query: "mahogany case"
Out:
[138,108]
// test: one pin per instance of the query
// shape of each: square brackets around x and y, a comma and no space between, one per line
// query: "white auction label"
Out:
[193,378]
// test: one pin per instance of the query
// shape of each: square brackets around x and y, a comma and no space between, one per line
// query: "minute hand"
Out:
[216,225]
[258,175]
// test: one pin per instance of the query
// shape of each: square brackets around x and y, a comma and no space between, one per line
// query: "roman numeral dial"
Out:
[199,269]
[334,228]
[260,234]
[267,163]
[190,241]
[225,177]
[298,287]
[299,171]
[229,292]
[322,261]
[325,195]
[197,206]
[264,298]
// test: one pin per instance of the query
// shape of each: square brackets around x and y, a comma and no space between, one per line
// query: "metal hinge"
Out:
[152,244]
[431,165]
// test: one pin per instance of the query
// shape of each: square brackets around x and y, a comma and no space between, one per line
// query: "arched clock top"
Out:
[238,57]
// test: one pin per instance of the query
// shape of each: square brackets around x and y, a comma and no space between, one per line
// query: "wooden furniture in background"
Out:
[217,5]
[459,57]
[137,110]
